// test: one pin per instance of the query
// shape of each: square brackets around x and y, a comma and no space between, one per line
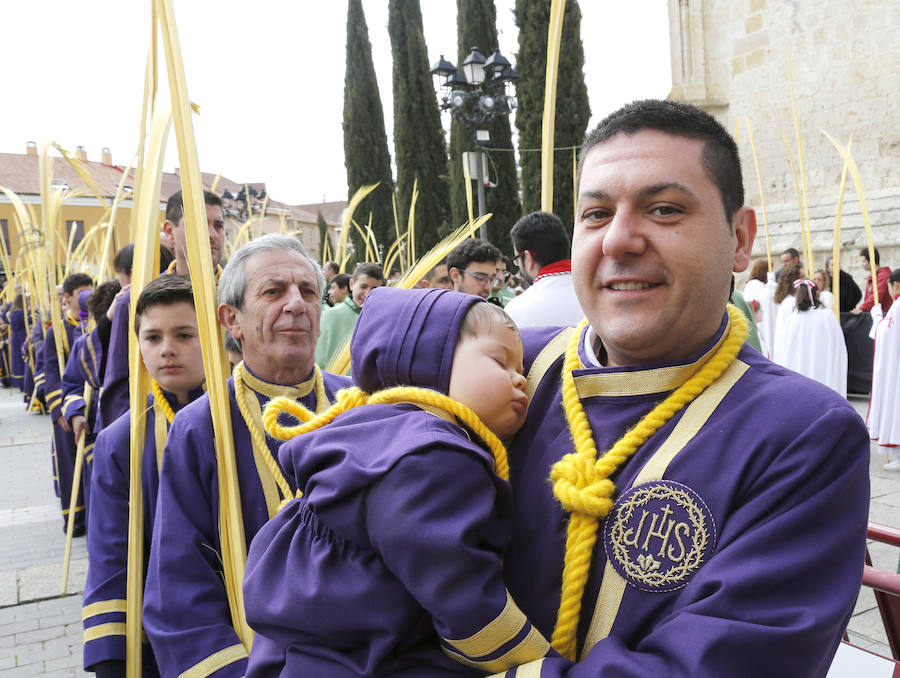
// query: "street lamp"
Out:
[476,96]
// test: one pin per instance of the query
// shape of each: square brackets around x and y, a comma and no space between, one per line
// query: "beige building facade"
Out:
[731,57]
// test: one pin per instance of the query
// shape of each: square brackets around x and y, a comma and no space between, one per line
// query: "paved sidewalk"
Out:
[40,629]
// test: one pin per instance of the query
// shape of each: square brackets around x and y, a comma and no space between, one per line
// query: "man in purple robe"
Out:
[732,541]
[63,440]
[114,396]
[270,300]
[15,318]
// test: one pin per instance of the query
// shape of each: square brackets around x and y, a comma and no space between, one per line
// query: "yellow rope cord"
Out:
[582,484]
[258,437]
[349,398]
[160,399]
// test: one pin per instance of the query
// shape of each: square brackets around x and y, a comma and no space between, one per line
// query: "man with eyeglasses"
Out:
[473,266]
[542,254]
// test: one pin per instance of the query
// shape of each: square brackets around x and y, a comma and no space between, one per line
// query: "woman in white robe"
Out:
[883,419]
[823,284]
[760,288]
[810,340]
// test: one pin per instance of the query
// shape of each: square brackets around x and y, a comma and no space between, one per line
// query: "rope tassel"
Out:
[581,481]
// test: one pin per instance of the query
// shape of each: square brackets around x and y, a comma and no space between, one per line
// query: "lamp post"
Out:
[475,97]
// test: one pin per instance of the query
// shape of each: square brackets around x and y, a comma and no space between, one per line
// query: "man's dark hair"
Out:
[864,253]
[75,280]
[332,265]
[720,153]
[163,291]
[102,297]
[371,270]
[175,204]
[794,253]
[472,249]
[342,280]
[124,259]
[894,277]
[542,234]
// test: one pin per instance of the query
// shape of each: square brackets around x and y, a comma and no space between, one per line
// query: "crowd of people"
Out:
[599,475]
[800,328]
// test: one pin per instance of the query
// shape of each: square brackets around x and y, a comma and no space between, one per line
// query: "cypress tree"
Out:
[419,144]
[366,153]
[476,25]
[572,108]
[323,236]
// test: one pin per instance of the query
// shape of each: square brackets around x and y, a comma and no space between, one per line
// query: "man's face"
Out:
[329,272]
[652,252]
[867,267]
[440,278]
[170,346]
[361,286]
[788,260]
[279,324]
[336,293]
[477,278]
[215,221]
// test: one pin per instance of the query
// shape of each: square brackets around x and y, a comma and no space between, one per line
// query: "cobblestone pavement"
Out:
[40,629]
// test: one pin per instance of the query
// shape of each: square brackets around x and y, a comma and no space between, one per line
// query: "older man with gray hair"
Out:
[270,301]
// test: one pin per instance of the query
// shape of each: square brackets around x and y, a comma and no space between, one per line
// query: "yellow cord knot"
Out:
[581,487]
[284,405]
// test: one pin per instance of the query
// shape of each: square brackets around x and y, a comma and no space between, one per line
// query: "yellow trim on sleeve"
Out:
[533,646]
[104,631]
[493,636]
[102,607]
[214,662]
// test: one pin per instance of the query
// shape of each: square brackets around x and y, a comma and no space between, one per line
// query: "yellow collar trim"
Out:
[642,382]
[270,390]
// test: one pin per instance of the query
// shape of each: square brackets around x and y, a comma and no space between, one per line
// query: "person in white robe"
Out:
[883,419]
[823,284]
[761,289]
[810,340]
[785,291]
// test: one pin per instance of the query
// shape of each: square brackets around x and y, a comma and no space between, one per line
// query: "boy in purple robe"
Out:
[403,520]
[63,441]
[166,327]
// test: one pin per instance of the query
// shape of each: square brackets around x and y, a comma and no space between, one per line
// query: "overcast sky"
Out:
[268,77]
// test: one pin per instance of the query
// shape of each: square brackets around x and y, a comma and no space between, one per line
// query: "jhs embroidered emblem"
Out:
[658,535]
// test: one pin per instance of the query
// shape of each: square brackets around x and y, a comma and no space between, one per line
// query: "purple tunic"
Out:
[78,372]
[16,320]
[105,591]
[186,612]
[63,456]
[401,528]
[770,496]
[114,396]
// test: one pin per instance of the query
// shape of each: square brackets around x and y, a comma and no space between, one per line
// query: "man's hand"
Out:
[856,311]
[111,311]
[79,426]
[63,424]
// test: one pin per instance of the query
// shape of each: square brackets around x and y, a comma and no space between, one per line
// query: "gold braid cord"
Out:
[160,399]
[349,398]
[257,436]
[581,481]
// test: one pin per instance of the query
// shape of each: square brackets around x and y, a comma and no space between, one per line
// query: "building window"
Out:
[78,227]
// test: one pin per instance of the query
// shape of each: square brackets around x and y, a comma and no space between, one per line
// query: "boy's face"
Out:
[487,376]
[170,345]
[361,286]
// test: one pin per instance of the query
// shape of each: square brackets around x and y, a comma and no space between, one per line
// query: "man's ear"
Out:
[744,226]
[228,317]
[455,275]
